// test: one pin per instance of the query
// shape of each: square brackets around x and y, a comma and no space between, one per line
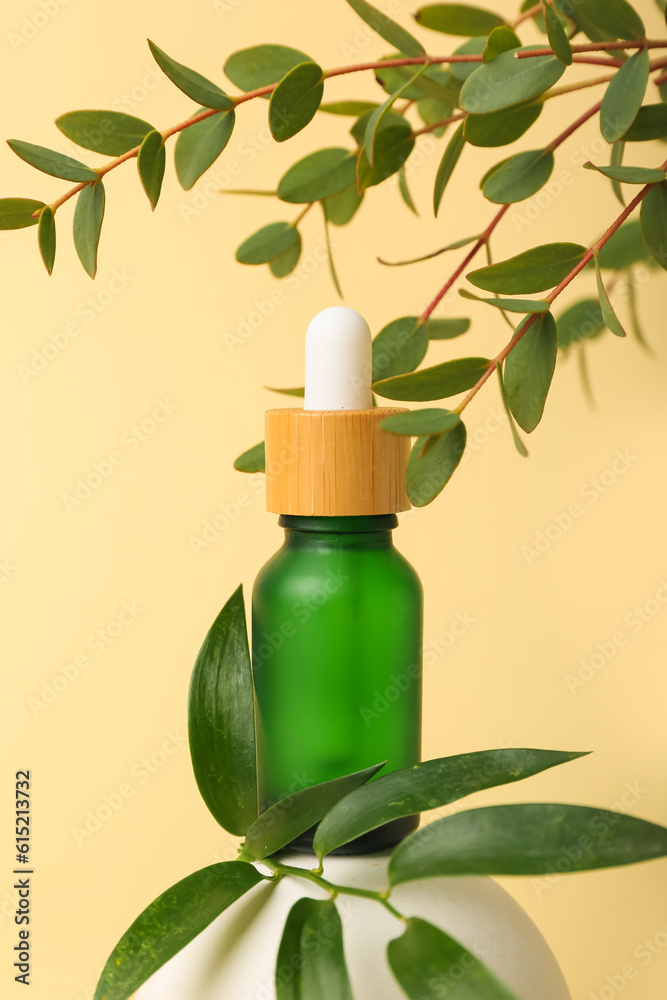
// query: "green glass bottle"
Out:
[337,612]
[337,634]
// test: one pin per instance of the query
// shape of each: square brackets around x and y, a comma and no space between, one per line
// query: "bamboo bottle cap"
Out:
[332,458]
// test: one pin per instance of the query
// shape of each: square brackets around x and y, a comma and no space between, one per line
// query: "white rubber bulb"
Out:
[338,361]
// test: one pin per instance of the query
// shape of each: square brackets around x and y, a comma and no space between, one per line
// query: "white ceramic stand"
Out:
[235,956]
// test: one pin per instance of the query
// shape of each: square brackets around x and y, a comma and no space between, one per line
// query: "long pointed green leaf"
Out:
[434,783]
[629,175]
[533,270]
[170,922]
[558,39]
[88,217]
[623,96]
[150,164]
[458,19]
[611,320]
[427,256]
[221,721]
[190,82]
[47,238]
[252,460]
[432,463]
[110,132]
[199,146]
[653,217]
[447,164]
[519,176]
[518,443]
[387,29]
[425,960]
[437,382]
[529,369]
[19,213]
[506,81]
[376,117]
[509,305]
[297,813]
[51,162]
[527,839]
[311,961]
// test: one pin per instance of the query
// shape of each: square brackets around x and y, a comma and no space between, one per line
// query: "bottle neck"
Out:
[374,530]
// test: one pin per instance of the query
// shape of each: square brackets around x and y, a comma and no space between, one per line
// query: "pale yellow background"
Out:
[169,334]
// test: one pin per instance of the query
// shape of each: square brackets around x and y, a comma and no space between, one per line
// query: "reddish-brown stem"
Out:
[566,133]
[660,79]
[484,238]
[640,43]
[444,121]
[528,322]
[527,14]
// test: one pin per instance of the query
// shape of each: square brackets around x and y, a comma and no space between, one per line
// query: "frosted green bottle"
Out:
[337,611]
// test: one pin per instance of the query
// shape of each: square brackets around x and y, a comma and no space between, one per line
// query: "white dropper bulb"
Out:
[338,361]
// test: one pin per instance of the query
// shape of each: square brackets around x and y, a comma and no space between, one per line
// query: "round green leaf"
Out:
[432,463]
[529,369]
[506,81]
[295,100]
[50,162]
[387,29]
[501,127]
[88,217]
[448,162]
[398,348]
[340,208]
[190,82]
[170,922]
[531,271]
[653,216]
[526,839]
[221,721]
[438,382]
[311,960]
[473,47]
[446,329]
[424,958]
[623,96]
[629,175]
[110,132]
[252,460]
[519,177]
[580,321]
[150,164]
[458,19]
[393,145]
[650,123]
[261,65]
[318,175]
[501,39]
[421,422]
[17,213]
[285,262]
[198,146]
[611,320]
[267,243]
[288,818]
[358,130]
[47,238]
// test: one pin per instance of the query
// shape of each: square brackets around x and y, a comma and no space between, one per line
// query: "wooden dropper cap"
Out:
[332,458]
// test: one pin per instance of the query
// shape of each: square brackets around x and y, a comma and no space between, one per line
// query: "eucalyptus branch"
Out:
[641,43]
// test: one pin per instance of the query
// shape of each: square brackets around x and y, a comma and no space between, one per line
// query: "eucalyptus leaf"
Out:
[377,115]
[46,235]
[650,122]
[529,369]
[434,253]
[446,329]
[285,262]
[252,460]
[558,39]
[292,816]
[432,110]
[311,960]
[653,216]
[417,423]
[625,247]
[603,20]
[617,151]
[500,128]
[198,146]
[110,132]
[267,243]
[351,108]
[298,391]
[19,213]
[611,320]
[629,175]
[262,65]
[501,39]
[424,958]
[448,162]
[150,164]
[580,321]
[518,443]
[51,162]
[623,96]
[526,839]
[438,382]
[435,81]
[221,721]
[509,305]
[318,176]
[387,29]
[398,348]
[393,146]
[458,19]
[473,47]
[193,84]
[433,783]
[358,130]
[432,462]
[533,270]
[520,176]
[405,191]
[295,100]
[341,208]
[506,81]
[330,256]
[170,922]
[88,217]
